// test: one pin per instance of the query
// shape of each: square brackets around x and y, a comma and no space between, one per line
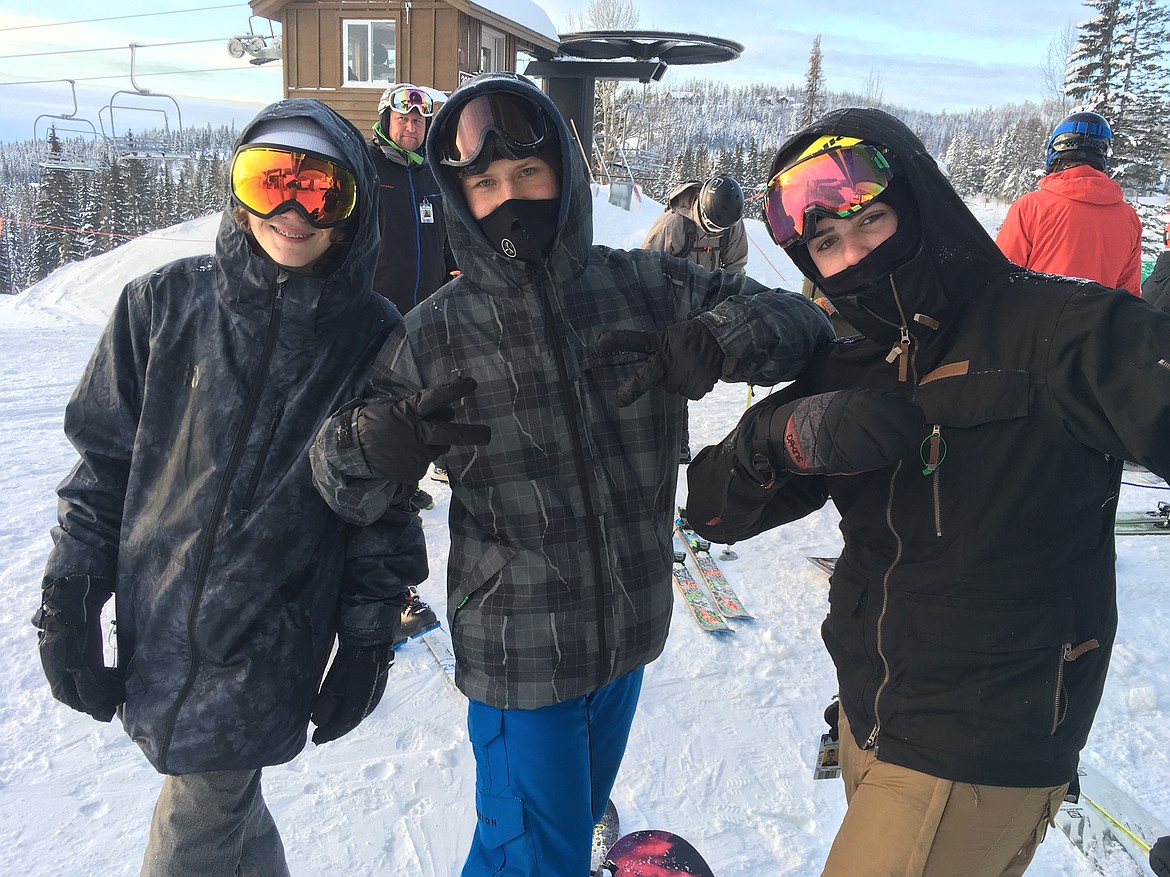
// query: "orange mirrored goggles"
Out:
[268,179]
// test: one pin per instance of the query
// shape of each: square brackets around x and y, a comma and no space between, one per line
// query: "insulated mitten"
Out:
[351,690]
[402,437]
[1160,857]
[70,644]
[684,359]
[838,433]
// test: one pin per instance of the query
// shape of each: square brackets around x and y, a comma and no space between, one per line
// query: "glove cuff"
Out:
[71,600]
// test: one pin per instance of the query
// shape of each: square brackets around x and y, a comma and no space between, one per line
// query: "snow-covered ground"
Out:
[721,749]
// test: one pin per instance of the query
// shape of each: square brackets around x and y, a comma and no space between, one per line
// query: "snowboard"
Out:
[1144,523]
[825,563]
[725,598]
[605,835]
[439,643]
[695,595]
[1112,830]
[653,853]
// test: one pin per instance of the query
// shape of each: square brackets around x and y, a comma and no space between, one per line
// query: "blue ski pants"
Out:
[542,780]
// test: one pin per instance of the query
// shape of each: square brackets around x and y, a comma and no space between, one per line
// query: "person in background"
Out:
[703,223]
[549,379]
[193,504]
[1076,223]
[414,258]
[1156,287]
[970,628]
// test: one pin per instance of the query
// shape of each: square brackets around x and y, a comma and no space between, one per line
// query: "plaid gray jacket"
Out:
[559,573]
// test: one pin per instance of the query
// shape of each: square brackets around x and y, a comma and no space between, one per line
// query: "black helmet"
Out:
[1083,137]
[720,203]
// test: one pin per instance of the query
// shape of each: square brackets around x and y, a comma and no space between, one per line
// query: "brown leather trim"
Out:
[950,370]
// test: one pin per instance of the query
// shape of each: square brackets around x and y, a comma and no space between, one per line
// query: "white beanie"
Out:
[295,132]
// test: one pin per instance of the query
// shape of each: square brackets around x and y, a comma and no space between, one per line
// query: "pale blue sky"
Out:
[946,54]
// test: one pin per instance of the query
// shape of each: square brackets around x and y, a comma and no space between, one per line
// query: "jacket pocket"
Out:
[845,625]
[956,397]
[997,662]
[494,558]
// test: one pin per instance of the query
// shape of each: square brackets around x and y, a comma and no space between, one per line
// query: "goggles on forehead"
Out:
[269,179]
[518,125]
[408,99]
[836,182]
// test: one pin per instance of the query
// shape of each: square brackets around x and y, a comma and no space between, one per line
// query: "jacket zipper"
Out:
[262,458]
[238,446]
[576,430]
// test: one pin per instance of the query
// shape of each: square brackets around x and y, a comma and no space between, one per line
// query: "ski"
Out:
[694,595]
[1144,523]
[726,600]
[439,642]
[652,853]
[605,835]
[1112,830]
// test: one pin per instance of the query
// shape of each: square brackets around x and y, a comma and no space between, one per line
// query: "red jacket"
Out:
[1076,224]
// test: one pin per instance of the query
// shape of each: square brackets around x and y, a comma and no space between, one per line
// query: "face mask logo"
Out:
[508,248]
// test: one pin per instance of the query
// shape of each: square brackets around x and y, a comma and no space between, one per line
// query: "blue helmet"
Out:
[1080,136]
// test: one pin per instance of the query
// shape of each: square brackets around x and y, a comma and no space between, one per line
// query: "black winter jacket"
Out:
[1156,287]
[972,610]
[193,493]
[413,259]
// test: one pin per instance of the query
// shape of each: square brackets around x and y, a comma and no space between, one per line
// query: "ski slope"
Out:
[723,744]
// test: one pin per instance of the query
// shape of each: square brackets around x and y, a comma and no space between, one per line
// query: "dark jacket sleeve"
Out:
[1156,288]
[727,503]
[383,560]
[101,420]
[1108,376]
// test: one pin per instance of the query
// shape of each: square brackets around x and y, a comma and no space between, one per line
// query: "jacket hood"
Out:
[1083,183]
[308,300]
[955,256]
[471,248]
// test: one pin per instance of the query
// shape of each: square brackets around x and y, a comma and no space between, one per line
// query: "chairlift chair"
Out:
[67,159]
[130,148]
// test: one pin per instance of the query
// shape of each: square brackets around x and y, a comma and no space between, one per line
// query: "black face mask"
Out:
[523,229]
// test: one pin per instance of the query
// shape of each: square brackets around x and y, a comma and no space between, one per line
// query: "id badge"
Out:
[426,213]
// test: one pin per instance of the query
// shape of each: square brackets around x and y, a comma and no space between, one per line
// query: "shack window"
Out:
[491,51]
[369,52]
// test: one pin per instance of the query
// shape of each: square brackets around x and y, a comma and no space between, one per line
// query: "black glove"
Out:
[352,688]
[684,359]
[402,437]
[838,433]
[1160,857]
[70,643]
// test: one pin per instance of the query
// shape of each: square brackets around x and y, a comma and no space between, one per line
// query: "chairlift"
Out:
[257,45]
[129,147]
[63,157]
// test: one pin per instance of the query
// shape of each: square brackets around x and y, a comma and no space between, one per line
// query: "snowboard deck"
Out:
[439,643]
[654,853]
[696,597]
[825,563]
[723,595]
[1110,828]
[605,835]
[1144,523]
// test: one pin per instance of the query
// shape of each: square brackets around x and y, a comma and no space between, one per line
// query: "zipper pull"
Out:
[936,451]
[901,352]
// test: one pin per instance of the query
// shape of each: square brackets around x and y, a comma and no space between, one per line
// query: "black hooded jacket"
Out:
[193,498]
[972,611]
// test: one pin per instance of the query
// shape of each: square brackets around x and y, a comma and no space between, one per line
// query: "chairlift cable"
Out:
[121,17]
[123,75]
[121,48]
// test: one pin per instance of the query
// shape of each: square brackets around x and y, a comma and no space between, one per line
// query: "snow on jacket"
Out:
[972,611]
[559,573]
[1156,287]
[193,492]
[413,259]
[677,231]
[1076,225]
